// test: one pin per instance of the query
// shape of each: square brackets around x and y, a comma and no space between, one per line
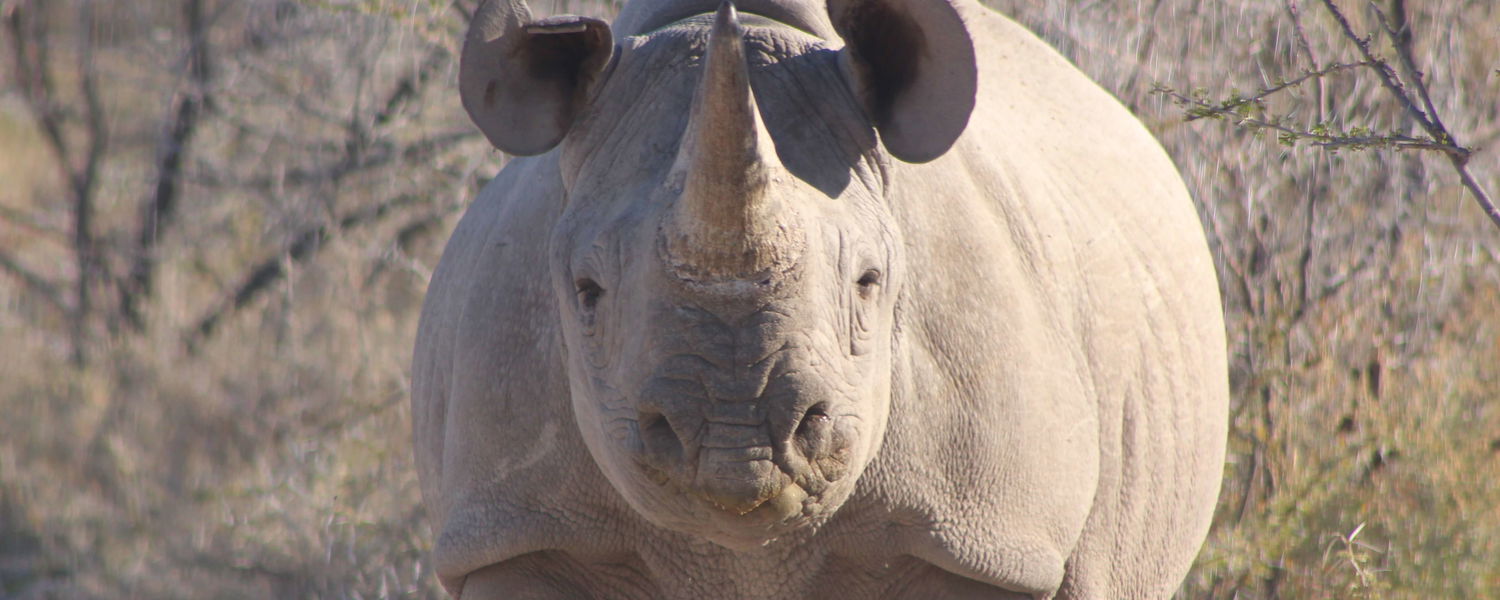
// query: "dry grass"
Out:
[273,460]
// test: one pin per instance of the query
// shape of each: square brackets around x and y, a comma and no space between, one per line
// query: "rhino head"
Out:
[727,270]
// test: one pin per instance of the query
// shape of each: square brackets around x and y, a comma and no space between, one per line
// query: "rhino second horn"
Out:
[728,225]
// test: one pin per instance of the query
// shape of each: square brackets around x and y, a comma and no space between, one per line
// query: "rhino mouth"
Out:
[755,488]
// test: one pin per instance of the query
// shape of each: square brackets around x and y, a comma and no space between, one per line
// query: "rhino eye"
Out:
[869,282]
[588,293]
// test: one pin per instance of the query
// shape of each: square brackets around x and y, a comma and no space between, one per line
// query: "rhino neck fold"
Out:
[727,223]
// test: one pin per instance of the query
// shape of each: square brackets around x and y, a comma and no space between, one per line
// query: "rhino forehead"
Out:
[633,129]
[807,15]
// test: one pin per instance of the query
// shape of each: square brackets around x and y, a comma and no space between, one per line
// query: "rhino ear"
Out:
[523,82]
[912,64]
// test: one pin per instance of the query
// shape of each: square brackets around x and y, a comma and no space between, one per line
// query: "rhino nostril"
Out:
[813,418]
[658,435]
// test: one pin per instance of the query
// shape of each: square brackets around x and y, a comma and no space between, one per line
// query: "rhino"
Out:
[807,299]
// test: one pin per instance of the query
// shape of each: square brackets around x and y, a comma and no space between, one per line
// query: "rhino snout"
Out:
[738,480]
[736,462]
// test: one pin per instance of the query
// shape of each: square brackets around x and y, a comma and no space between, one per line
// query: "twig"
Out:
[1387,76]
[1228,107]
[34,77]
[1458,156]
[1295,11]
[1399,142]
[38,284]
[1401,41]
[379,155]
[1249,111]
[33,68]
[85,247]
[159,212]
[23,220]
[1199,109]
[272,268]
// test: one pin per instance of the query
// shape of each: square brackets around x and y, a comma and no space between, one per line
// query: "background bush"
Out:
[205,396]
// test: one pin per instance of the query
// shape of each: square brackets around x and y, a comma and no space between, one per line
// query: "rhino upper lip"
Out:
[670,465]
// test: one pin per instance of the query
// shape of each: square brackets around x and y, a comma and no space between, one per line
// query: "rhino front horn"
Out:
[728,224]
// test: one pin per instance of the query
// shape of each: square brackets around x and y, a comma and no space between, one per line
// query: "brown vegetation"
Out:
[217,219]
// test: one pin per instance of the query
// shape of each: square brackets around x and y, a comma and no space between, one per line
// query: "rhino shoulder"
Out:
[487,352]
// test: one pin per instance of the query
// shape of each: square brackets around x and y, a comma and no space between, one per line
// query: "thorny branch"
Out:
[1202,109]
[1458,156]
[1250,111]
[1320,134]
[1387,75]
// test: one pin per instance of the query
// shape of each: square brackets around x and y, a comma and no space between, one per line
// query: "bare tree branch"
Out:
[356,157]
[364,148]
[379,155]
[1251,112]
[38,284]
[1386,75]
[410,87]
[24,220]
[1458,156]
[1294,10]
[271,269]
[28,32]
[1401,39]
[85,247]
[1143,51]
[1319,173]
[29,56]
[158,214]
[1236,106]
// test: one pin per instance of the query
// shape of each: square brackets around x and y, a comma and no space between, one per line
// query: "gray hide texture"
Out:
[769,315]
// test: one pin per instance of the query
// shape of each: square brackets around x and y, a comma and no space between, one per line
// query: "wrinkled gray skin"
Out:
[769,315]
